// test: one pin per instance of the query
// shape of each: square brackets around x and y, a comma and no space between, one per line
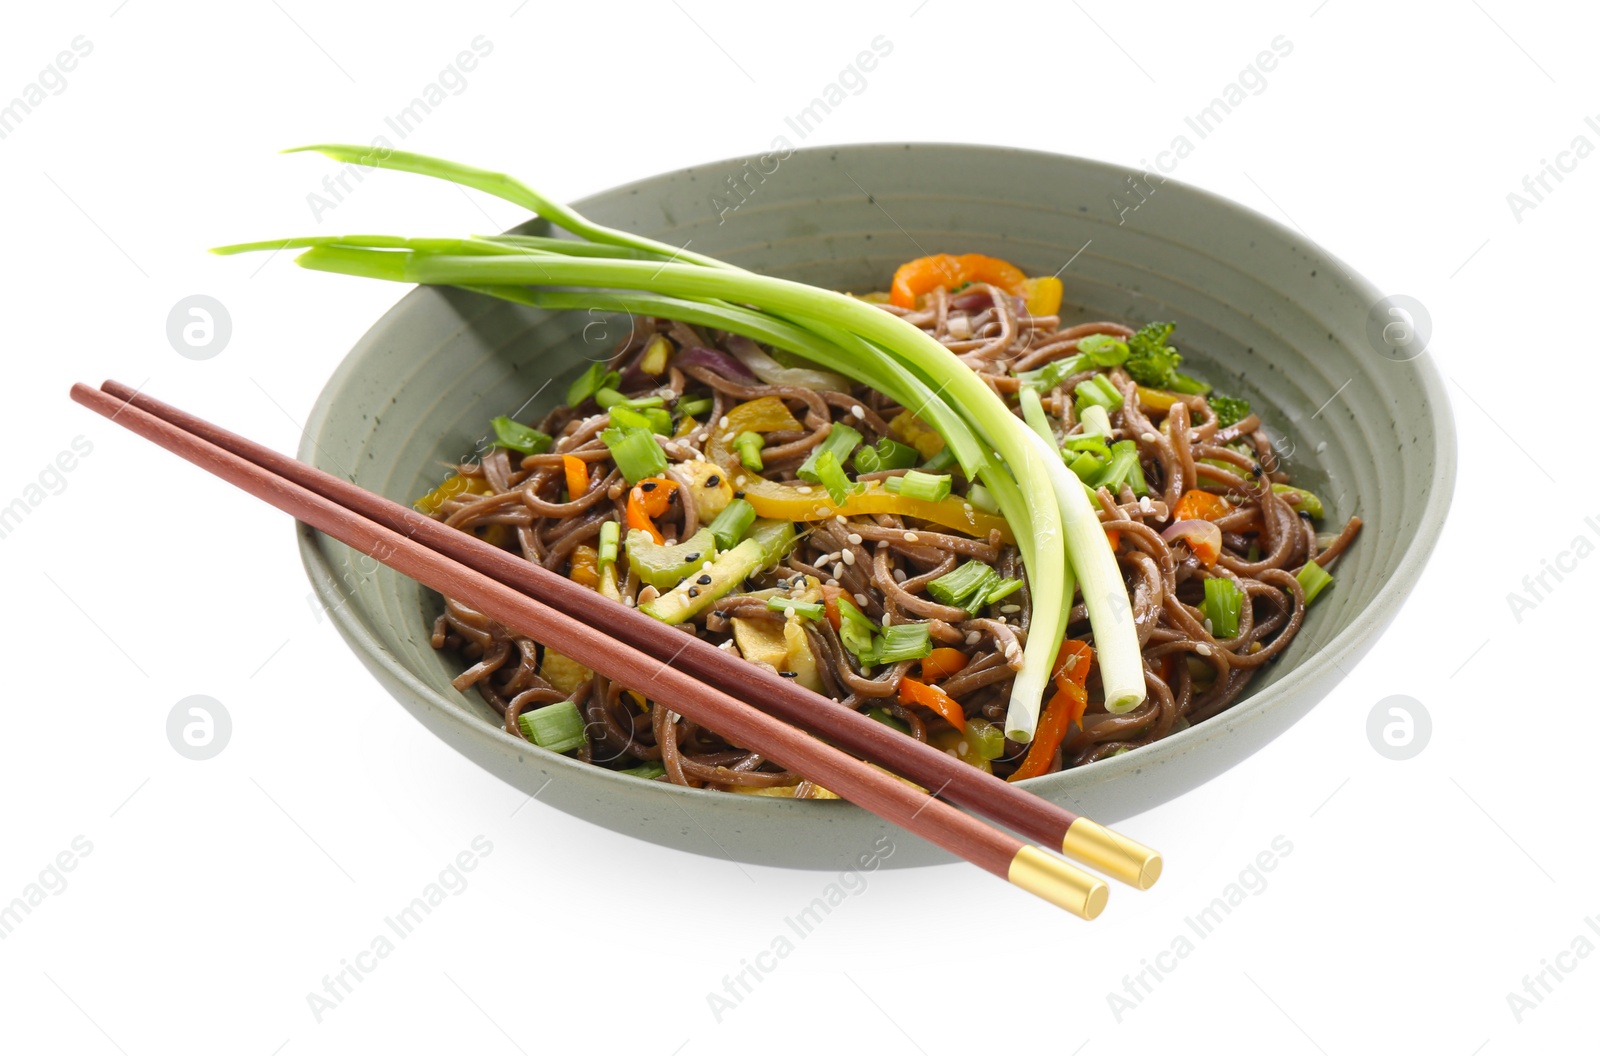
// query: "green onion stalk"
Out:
[1026,478]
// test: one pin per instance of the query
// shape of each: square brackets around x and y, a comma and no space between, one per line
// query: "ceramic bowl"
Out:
[1360,410]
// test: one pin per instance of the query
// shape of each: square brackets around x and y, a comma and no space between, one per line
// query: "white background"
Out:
[218,894]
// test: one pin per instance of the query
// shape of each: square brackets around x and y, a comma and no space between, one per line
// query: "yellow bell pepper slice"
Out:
[804,502]
[452,487]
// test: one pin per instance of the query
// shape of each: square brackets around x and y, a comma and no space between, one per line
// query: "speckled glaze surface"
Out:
[1261,311]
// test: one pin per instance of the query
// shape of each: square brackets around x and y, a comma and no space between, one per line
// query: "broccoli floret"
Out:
[1151,361]
[1230,409]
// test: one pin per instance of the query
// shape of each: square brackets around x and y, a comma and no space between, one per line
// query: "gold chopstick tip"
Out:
[1058,882]
[1111,853]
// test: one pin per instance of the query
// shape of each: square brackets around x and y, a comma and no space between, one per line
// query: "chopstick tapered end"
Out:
[1112,853]
[1058,882]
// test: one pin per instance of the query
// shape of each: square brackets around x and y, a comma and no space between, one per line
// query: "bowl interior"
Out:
[1261,313]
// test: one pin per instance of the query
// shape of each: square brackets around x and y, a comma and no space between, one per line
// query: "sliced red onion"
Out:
[714,359]
[1203,537]
[975,299]
[772,372]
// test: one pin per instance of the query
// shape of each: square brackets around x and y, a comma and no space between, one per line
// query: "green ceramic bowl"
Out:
[1261,311]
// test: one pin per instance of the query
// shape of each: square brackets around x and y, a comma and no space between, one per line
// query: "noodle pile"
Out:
[885,562]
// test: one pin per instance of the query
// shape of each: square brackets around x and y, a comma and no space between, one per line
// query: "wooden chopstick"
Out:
[1038,819]
[882,793]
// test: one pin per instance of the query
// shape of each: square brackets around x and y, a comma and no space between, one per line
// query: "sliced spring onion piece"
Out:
[610,536]
[1096,422]
[590,382]
[607,398]
[1052,374]
[919,485]
[694,405]
[730,525]
[519,437]
[649,770]
[840,441]
[902,641]
[1221,606]
[652,419]
[886,454]
[980,497]
[1302,500]
[635,452]
[557,727]
[811,610]
[1098,390]
[749,445]
[831,475]
[855,631]
[1314,579]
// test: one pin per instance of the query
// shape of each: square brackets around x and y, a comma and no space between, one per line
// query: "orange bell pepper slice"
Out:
[942,663]
[577,476]
[647,501]
[934,699]
[916,277]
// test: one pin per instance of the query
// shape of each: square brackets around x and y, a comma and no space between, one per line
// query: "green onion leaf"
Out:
[1005,588]
[648,770]
[519,437]
[1052,374]
[916,484]
[730,525]
[883,715]
[1221,606]
[608,398]
[940,462]
[1302,500]
[635,452]
[557,727]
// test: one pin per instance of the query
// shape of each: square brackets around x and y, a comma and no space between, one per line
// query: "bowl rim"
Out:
[1347,646]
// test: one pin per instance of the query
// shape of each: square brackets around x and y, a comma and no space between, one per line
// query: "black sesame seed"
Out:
[738,494]
[788,674]
[704,581]
[647,486]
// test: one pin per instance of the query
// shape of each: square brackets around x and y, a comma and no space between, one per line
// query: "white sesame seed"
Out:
[973,637]
[741,481]
[886,619]
[833,582]
[804,490]
[962,747]
[857,411]
[854,538]
[1148,438]
[848,557]
[723,421]
[899,575]
[910,537]
[839,517]
[861,600]
[1010,608]
[1203,649]
[1207,624]
[1144,504]
[967,506]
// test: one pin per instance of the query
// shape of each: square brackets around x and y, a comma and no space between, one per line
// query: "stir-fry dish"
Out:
[818,528]
[1030,546]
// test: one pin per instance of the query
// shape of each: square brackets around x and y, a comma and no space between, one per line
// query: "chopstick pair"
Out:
[693,677]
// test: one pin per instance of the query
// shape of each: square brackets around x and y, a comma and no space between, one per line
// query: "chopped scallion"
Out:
[589,382]
[649,770]
[557,727]
[902,641]
[610,535]
[811,610]
[855,631]
[694,405]
[916,484]
[840,441]
[831,475]
[1221,606]
[519,437]
[608,398]
[971,586]
[980,498]
[635,452]
[886,454]
[749,446]
[730,525]
[1314,579]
